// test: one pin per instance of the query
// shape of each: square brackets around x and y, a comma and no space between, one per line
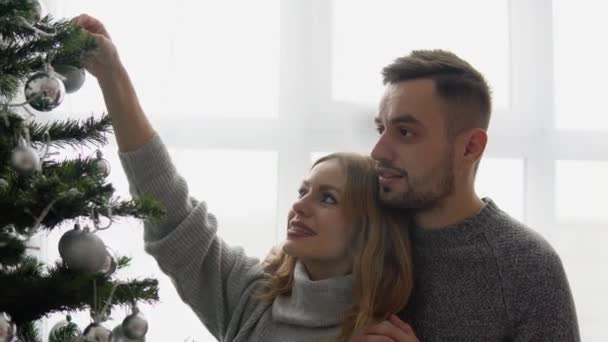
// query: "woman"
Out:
[344,266]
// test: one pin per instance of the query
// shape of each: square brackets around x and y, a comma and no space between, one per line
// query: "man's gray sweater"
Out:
[489,278]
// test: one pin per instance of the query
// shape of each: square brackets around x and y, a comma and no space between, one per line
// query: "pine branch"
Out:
[142,208]
[22,52]
[8,139]
[29,296]
[89,132]
[123,262]
[12,249]
[20,209]
[16,66]
[33,195]
[74,132]
[27,332]
[10,29]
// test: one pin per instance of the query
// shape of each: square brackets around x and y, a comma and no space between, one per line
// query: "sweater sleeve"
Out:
[541,303]
[215,280]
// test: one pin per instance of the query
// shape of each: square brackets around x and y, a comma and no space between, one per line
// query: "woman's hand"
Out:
[104,60]
[393,330]
[131,127]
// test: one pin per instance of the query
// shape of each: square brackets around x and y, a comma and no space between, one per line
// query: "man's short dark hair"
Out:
[464,89]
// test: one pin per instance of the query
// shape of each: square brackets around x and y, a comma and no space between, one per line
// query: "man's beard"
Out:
[427,192]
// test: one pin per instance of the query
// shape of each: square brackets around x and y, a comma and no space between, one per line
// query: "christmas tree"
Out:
[41,60]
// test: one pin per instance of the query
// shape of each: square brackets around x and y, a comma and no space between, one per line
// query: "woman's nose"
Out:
[301,206]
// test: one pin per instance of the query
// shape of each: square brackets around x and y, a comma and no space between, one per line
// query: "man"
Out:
[479,274]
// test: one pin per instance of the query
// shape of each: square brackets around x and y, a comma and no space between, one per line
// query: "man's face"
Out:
[415,160]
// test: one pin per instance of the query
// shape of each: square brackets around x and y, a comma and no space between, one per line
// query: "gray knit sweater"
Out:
[489,278]
[218,281]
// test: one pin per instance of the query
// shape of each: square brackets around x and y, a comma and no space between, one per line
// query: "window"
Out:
[579,70]
[367,36]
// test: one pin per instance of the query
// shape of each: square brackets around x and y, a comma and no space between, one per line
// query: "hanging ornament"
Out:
[83,251]
[135,326]
[96,332]
[25,158]
[3,186]
[65,330]
[103,315]
[44,91]
[109,266]
[71,76]
[8,329]
[102,165]
[118,335]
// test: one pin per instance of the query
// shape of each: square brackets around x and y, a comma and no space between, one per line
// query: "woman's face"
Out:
[317,229]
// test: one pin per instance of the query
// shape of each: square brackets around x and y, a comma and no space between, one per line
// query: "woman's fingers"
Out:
[401,325]
[392,330]
[91,24]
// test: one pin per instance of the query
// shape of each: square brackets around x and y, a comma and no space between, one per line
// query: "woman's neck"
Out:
[322,269]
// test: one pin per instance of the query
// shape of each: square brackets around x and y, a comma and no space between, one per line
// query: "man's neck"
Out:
[454,209]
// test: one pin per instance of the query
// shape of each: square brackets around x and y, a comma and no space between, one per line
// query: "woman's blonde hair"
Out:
[380,247]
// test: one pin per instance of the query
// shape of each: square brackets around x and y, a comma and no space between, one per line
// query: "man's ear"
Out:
[474,143]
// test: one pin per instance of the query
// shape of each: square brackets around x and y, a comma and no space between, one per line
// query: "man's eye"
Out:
[405,132]
[301,193]
[380,130]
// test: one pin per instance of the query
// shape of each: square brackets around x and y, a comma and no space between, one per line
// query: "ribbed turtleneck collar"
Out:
[314,304]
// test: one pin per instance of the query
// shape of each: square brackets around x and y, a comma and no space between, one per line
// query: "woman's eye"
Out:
[405,132]
[328,199]
[380,130]
[301,193]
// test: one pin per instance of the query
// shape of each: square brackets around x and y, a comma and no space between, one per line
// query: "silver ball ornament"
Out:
[109,266]
[83,251]
[73,77]
[66,327]
[8,329]
[103,167]
[25,158]
[96,332]
[135,326]
[44,92]
[118,335]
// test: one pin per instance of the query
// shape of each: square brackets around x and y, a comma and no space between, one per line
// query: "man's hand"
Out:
[104,60]
[393,330]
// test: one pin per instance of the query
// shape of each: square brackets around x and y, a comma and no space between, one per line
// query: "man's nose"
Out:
[382,151]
